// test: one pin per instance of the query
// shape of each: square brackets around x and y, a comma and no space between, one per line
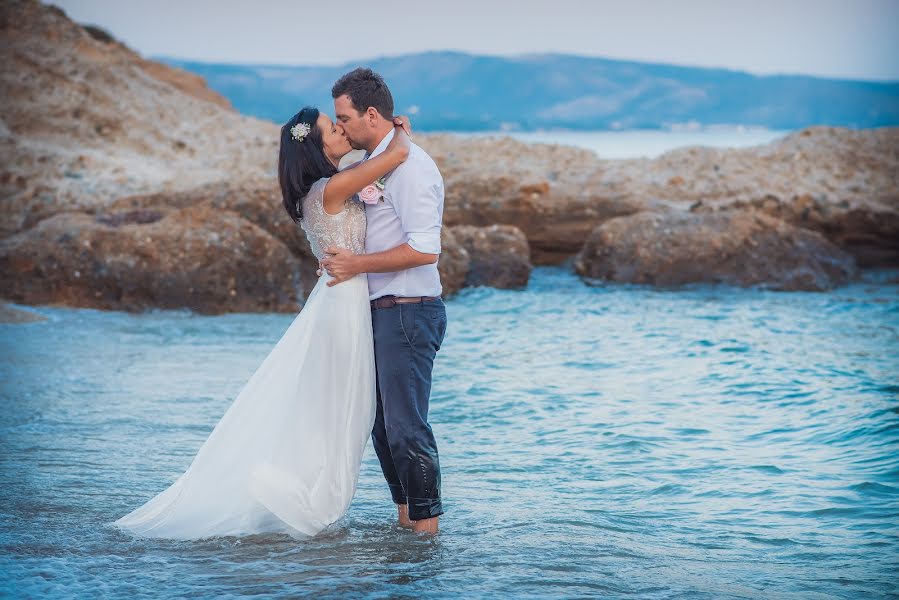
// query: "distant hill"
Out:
[456,91]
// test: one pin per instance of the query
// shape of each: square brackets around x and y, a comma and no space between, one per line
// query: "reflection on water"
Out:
[612,441]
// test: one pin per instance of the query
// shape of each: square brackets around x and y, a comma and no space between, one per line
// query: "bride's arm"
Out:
[343,185]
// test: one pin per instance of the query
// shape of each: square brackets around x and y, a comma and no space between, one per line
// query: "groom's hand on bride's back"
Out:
[339,263]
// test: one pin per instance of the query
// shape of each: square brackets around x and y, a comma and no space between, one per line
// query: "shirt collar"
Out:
[382,145]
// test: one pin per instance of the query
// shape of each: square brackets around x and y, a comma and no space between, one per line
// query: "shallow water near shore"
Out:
[611,441]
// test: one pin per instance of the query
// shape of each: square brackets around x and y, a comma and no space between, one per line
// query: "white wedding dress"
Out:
[286,455]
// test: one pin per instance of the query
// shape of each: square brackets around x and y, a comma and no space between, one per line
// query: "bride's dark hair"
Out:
[301,163]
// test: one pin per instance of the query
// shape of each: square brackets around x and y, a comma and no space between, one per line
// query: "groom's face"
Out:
[355,125]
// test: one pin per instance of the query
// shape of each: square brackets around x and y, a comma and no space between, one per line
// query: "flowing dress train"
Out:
[286,455]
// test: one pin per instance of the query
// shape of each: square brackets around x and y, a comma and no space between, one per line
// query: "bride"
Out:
[285,457]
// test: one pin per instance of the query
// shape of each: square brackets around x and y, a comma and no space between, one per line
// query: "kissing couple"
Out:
[356,361]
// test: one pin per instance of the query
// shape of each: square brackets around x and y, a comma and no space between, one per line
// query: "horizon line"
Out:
[362,62]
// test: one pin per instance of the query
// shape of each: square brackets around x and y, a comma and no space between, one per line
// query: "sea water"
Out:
[644,143]
[611,441]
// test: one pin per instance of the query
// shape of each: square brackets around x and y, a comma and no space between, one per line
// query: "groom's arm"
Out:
[344,265]
[418,201]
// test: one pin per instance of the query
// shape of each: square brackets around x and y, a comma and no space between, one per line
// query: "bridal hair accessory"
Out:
[300,131]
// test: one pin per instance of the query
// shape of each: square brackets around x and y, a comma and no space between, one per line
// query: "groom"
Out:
[408,317]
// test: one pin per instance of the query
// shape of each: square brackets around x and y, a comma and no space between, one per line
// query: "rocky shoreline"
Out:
[128,185]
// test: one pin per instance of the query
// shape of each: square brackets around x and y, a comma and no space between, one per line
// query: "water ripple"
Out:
[612,441]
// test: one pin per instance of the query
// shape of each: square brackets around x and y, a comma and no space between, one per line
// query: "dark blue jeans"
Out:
[407,338]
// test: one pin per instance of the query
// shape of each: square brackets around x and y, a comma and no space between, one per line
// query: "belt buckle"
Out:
[384,302]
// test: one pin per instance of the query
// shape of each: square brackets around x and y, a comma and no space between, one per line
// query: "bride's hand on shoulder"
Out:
[401,142]
[404,122]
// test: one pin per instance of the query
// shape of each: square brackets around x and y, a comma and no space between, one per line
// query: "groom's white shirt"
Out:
[412,212]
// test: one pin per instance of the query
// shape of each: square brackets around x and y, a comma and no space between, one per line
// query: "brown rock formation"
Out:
[500,256]
[86,121]
[540,189]
[256,200]
[741,248]
[558,195]
[453,263]
[103,147]
[9,314]
[205,259]
[869,230]
[189,83]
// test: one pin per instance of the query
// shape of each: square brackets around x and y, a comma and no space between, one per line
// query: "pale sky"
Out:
[857,39]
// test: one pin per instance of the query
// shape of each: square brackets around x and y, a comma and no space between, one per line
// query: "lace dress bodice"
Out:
[346,229]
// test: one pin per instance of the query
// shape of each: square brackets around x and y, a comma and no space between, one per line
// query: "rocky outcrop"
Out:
[558,195]
[86,121]
[742,248]
[189,83]
[453,263]
[499,256]
[869,230]
[537,188]
[101,149]
[10,314]
[204,259]
[256,200]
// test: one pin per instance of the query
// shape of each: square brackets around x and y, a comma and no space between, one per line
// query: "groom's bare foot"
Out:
[426,525]
[402,511]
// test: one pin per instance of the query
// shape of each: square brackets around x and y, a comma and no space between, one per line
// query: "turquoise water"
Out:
[612,441]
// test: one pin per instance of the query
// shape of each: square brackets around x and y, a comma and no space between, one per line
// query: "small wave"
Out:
[669,489]
[872,488]
[771,469]
[691,431]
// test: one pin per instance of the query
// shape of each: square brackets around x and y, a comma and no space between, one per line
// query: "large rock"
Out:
[499,256]
[257,200]
[741,248]
[453,264]
[189,83]
[540,189]
[868,229]
[84,121]
[558,195]
[10,314]
[843,183]
[205,259]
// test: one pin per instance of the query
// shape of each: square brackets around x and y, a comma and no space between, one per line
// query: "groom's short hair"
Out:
[365,88]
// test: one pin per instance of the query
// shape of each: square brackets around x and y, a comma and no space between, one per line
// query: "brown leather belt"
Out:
[391,301]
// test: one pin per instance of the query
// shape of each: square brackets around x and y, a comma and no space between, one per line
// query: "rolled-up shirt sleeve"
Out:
[418,201]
